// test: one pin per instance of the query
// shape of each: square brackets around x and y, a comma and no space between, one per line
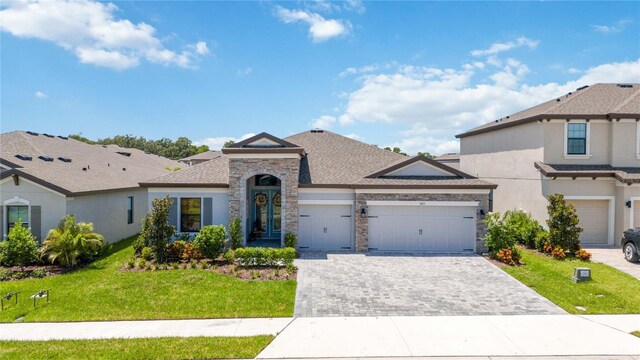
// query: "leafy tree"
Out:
[563,222]
[396,150]
[426,154]
[181,148]
[79,137]
[156,229]
[500,236]
[229,143]
[235,233]
[71,241]
[20,248]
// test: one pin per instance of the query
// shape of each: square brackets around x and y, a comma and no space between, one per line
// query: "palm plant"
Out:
[70,242]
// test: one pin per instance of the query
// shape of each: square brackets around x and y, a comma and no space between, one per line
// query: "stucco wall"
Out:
[623,144]
[53,205]
[600,142]
[219,203]
[108,212]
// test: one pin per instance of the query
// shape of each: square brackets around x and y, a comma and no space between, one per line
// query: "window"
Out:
[130,210]
[577,139]
[190,214]
[267,180]
[15,213]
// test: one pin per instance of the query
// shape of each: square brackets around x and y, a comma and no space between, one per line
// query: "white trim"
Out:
[325,191]
[556,121]
[10,178]
[420,163]
[179,212]
[325,202]
[423,191]
[587,154]
[3,166]
[264,156]
[263,142]
[637,139]
[633,199]
[421,203]
[612,212]
[16,200]
[189,190]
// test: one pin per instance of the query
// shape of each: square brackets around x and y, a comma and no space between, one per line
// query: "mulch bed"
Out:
[19,273]
[255,273]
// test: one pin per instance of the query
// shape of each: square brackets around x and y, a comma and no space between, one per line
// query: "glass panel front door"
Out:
[266,214]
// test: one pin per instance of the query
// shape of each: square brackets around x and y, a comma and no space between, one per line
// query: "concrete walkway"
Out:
[614,258]
[142,329]
[517,335]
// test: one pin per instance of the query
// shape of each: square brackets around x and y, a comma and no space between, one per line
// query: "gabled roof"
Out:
[628,175]
[78,168]
[212,173]
[599,101]
[263,143]
[205,155]
[441,169]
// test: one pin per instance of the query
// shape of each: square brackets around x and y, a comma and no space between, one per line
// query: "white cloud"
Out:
[436,103]
[216,143]
[353,136]
[614,28]
[323,122]
[498,47]
[320,29]
[355,5]
[366,69]
[90,30]
[40,95]
[244,72]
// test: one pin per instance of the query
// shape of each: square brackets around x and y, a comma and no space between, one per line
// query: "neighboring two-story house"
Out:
[585,145]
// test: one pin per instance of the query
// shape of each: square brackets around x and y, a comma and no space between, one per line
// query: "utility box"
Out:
[581,274]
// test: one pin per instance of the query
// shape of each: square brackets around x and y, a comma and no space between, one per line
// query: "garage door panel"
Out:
[636,213]
[594,219]
[325,227]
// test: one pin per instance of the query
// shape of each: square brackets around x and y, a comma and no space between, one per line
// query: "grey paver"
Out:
[614,258]
[349,284]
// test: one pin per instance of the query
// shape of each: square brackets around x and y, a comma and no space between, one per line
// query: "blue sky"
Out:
[408,74]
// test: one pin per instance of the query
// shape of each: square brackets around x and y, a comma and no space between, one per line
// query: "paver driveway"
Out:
[394,285]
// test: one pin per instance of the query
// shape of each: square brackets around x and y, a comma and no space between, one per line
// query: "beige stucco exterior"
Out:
[507,156]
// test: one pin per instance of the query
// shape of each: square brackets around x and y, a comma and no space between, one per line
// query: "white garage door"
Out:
[422,228]
[325,227]
[636,213]
[594,219]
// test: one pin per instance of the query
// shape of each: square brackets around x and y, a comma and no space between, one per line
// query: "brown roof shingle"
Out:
[629,175]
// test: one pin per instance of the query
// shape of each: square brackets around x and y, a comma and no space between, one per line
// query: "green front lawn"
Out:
[610,292]
[153,348]
[101,291]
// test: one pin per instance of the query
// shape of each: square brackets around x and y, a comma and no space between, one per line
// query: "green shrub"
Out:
[20,248]
[290,240]
[5,274]
[523,227]
[265,256]
[229,256]
[71,242]
[156,229]
[498,236]
[542,237]
[39,273]
[131,263]
[142,264]
[235,233]
[175,250]
[210,240]
[191,252]
[563,222]
[147,253]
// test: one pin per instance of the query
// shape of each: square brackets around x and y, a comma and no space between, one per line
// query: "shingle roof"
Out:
[103,163]
[627,175]
[448,157]
[603,101]
[206,155]
[330,160]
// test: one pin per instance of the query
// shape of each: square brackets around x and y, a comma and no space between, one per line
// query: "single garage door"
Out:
[325,227]
[594,219]
[422,228]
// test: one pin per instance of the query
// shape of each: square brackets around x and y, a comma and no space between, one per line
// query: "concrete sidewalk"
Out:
[142,329]
[454,336]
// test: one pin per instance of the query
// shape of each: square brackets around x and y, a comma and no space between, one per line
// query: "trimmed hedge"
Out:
[265,256]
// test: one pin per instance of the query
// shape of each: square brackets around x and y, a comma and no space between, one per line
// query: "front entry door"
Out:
[266,213]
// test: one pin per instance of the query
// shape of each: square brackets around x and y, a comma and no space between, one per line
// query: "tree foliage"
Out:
[235,233]
[70,242]
[229,143]
[156,230]
[428,155]
[563,222]
[178,149]
[396,150]
[20,248]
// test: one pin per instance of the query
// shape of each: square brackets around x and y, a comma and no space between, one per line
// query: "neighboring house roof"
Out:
[72,167]
[598,101]
[448,157]
[627,175]
[206,155]
[329,160]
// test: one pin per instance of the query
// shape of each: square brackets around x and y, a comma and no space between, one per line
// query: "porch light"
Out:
[363,212]
[628,203]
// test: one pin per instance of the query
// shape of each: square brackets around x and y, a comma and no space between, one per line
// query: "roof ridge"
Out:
[624,103]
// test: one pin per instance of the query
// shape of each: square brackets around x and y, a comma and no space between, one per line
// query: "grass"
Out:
[153,348]
[100,291]
[609,292]
[636,333]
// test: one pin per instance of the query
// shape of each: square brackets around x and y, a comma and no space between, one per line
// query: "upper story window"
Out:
[577,138]
[190,211]
[130,210]
[17,213]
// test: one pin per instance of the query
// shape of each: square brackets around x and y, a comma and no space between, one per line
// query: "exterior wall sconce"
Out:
[628,203]
[363,212]
[482,212]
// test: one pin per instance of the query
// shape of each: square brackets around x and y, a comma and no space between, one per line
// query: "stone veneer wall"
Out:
[287,170]
[362,224]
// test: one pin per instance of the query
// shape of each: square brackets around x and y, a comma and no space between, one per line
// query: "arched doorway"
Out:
[265,211]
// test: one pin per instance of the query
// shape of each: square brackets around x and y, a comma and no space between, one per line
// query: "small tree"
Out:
[156,229]
[235,233]
[70,242]
[563,221]
[20,248]
[290,240]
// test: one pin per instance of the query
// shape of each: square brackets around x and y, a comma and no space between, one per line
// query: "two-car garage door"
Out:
[435,227]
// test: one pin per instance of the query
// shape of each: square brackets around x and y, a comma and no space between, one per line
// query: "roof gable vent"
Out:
[45,158]
[64,159]
[48,135]
[626,86]
[124,153]
[63,137]
[24,157]
[32,133]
